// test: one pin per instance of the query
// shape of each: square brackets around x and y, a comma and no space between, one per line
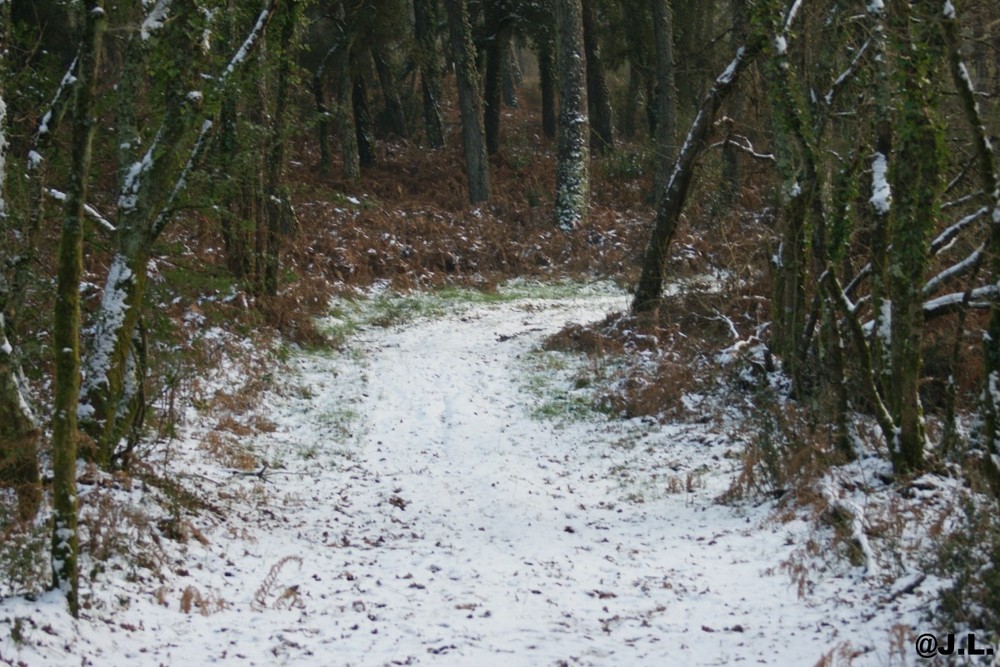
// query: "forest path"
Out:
[437,495]
[474,533]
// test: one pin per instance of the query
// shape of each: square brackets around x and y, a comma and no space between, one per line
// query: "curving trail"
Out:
[423,516]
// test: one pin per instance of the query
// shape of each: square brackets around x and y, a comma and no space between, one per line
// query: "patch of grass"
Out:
[561,388]
[347,316]
[344,422]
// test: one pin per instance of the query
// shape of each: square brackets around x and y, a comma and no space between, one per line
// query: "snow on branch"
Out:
[881,198]
[193,158]
[981,297]
[91,212]
[53,114]
[846,75]
[155,19]
[792,13]
[249,43]
[745,146]
[954,271]
[944,239]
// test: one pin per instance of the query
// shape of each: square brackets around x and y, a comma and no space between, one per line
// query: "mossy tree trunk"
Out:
[796,149]
[916,181]
[425,14]
[19,430]
[66,324]
[469,101]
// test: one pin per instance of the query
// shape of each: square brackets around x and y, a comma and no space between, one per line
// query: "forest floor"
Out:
[439,490]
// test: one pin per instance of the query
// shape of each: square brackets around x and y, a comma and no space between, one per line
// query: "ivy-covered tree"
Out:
[66,323]
[469,100]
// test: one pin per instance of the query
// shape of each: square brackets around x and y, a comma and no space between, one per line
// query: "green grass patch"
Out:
[561,389]
[347,316]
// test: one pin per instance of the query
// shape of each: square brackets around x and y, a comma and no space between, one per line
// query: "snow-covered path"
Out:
[424,516]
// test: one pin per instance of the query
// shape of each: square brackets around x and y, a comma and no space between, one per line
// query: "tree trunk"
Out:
[323,110]
[730,156]
[363,124]
[547,82]
[633,99]
[277,208]
[344,112]
[469,101]
[512,77]
[602,125]
[66,324]
[425,13]
[801,203]
[572,206]
[666,94]
[390,94]
[19,432]
[650,287]
[916,184]
[498,28]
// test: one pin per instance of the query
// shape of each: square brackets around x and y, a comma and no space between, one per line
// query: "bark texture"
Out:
[572,206]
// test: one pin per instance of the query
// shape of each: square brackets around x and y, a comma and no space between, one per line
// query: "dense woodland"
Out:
[831,163]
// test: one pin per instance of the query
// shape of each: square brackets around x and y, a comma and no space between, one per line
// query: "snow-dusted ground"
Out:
[418,510]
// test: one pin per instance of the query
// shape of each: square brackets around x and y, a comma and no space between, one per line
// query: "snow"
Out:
[409,509]
[155,19]
[247,45]
[109,322]
[881,198]
[132,183]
